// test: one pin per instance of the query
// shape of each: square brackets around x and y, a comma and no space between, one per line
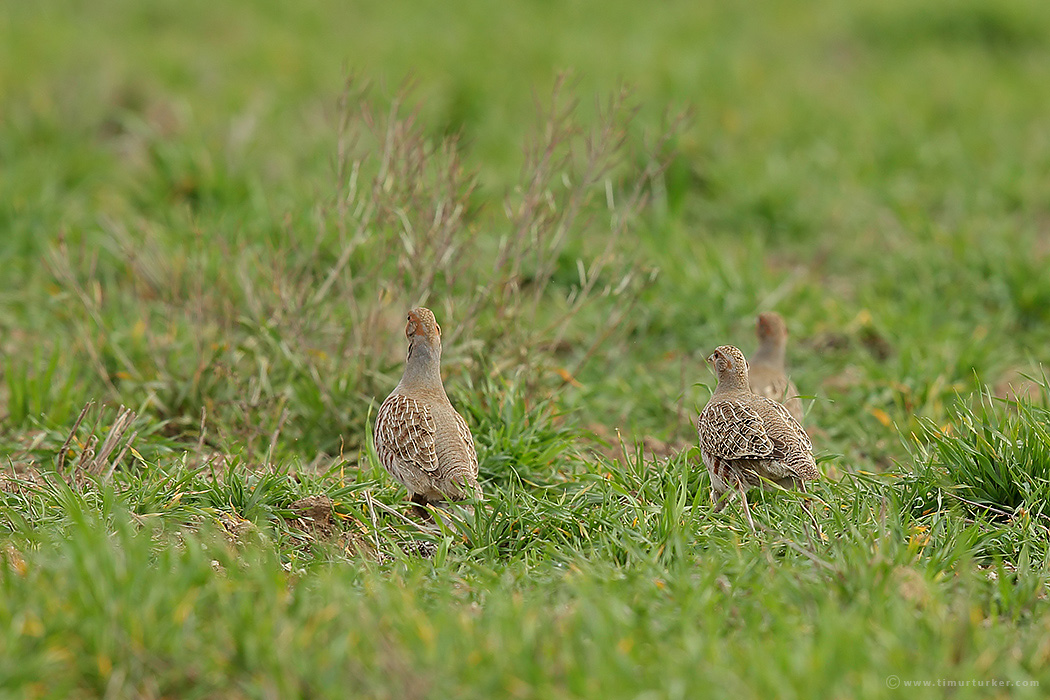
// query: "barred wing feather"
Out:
[405,431]
[733,430]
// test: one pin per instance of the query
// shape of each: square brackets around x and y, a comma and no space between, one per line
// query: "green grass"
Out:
[204,221]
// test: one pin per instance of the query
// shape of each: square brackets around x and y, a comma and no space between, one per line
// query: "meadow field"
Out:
[214,216]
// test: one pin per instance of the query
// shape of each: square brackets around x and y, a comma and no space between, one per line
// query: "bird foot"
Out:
[419,508]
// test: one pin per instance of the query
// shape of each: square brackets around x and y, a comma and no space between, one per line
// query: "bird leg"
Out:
[747,509]
[809,512]
[720,499]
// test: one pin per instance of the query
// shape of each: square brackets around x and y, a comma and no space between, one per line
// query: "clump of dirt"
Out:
[314,515]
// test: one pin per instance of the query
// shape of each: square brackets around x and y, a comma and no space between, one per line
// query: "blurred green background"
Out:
[874,170]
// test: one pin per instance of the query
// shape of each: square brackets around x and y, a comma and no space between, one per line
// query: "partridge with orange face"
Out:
[419,437]
[767,375]
[747,440]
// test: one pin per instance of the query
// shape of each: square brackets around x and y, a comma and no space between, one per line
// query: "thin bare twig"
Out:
[100,464]
[71,436]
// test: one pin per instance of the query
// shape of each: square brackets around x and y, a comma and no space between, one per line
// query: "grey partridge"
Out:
[767,374]
[419,437]
[747,440]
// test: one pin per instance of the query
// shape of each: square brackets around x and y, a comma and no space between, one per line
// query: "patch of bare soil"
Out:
[314,516]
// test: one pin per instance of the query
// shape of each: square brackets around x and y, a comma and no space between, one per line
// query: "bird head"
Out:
[771,327]
[729,365]
[422,329]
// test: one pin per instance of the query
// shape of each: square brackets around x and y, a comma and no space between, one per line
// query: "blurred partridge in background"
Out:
[768,376]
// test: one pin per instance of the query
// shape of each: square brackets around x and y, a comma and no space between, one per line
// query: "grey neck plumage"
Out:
[731,382]
[423,367]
